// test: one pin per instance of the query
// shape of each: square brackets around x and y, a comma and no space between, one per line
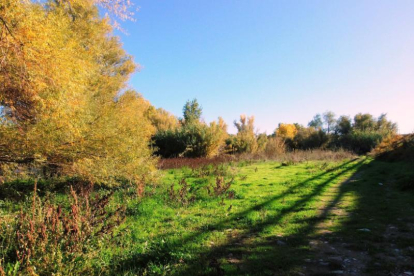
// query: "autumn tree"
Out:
[62,91]
[286,131]
[161,119]
[245,140]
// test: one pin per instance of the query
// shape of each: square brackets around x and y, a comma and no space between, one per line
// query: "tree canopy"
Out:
[64,96]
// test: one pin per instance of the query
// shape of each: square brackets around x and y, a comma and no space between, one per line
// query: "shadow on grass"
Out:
[379,206]
[271,259]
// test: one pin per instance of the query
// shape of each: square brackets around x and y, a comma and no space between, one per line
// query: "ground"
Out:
[309,218]
[349,217]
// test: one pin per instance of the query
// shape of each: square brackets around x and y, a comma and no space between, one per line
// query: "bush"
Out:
[360,142]
[396,148]
[169,143]
[191,140]
[275,146]
[310,138]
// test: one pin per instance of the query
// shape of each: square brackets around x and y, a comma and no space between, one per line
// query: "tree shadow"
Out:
[364,233]
[264,260]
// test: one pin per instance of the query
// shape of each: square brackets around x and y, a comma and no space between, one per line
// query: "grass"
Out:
[273,219]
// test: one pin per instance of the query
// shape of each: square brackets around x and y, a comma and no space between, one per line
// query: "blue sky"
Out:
[281,61]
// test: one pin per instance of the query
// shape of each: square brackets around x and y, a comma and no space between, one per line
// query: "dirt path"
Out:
[332,256]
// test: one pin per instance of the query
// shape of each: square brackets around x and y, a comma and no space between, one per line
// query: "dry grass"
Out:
[292,157]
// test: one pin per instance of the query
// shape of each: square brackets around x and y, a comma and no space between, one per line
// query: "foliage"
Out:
[262,141]
[245,140]
[316,122]
[57,115]
[396,148]
[275,147]
[286,131]
[360,142]
[169,143]
[310,138]
[193,138]
[191,112]
[161,119]
[343,125]
[329,120]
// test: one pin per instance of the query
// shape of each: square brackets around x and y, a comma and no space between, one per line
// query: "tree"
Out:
[245,140]
[262,142]
[384,126]
[62,92]
[364,122]
[343,125]
[329,120]
[286,131]
[316,122]
[162,119]
[192,112]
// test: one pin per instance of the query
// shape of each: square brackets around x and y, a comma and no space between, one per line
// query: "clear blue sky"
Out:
[281,61]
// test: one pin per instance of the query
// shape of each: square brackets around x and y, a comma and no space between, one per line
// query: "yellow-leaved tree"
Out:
[63,98]
[286,131]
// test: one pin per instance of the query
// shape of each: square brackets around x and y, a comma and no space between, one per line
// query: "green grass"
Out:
[267,227]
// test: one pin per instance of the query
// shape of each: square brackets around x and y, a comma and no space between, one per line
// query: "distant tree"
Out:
[343,125]
[245,140]
[384,126]
[298,126]
[286,131]
[310,138]
[192,112]
[316,122]
[329,120]
[261,142]
[364,122]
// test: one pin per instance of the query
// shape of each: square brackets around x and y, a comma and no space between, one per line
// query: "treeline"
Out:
[191,137]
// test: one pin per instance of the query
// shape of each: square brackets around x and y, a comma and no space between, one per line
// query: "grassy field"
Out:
[351,217]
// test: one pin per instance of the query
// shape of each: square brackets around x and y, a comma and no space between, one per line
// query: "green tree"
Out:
[364,122]
[384,126]
[329,120]
[343,125]
[192,112]
[316,122]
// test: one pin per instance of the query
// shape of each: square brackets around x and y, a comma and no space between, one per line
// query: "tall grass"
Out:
[292,156]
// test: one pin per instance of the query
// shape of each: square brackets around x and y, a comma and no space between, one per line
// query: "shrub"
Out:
[360,142]
[310,138]
[396,148]
[275,146]
[169,143]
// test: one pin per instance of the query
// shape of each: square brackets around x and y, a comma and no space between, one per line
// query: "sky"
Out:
[281,61]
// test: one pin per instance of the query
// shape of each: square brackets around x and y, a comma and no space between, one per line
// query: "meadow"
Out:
[97,180]
[254,217]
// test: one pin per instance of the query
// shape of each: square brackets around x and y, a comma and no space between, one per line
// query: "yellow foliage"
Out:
[286,131]
[61,80]
[162,120]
